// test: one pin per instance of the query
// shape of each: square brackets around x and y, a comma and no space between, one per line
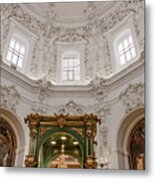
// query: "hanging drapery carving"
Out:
[8,144]
[136,147]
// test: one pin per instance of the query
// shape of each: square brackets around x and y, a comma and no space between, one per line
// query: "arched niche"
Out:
[59,149]
[78,129]
[136,147]
[127,126]
[8,144]
[16,126]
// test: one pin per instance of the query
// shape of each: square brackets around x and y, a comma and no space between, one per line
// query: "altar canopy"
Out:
[62,141]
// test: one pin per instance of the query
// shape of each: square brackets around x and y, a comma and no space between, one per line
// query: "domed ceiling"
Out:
[69,26]
[67,12]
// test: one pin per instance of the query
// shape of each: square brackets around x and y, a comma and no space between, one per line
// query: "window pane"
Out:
[9,56]
[17,46]
[12,43]
[126,43]
[70,75]
[128,56]
[76,76]
[126,49]
[71,62]
[20,62]
[130,39]
[120,47]
[21,56]
[77,62]
[122,59]
[64,62]
[16,52]
[77,70]
[133,52]
[14,59]
[22,50]
[64,75]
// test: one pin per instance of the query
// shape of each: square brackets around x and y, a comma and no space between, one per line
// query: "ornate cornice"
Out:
[112,82]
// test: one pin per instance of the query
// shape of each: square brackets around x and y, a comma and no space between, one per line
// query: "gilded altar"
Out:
[62,138]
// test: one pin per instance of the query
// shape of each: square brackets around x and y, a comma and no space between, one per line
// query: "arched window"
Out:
[16,52]
[70,66]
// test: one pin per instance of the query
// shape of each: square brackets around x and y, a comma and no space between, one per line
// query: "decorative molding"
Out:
[108,64]
[105,155]
[44,86]
[5,22]
[44,92]
[61,120]
[70,36]
[102,111]
[103,135]
[98,23]
[98,85]
[71,108]
[132,97]
[10,97]
[78,130]
[39,109]
[43,130]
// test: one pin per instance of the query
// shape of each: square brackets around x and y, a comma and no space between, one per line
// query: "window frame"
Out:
[19,36]
[127,49]
[70,70]
[24,35]
[61,48]
[17,53]
[120,39]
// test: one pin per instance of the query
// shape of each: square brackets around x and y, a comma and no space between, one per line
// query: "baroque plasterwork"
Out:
[106,23]
[70,37]
[44,86]
[98,85]
[102,110]
[40,109]
[70,108]
[97,25]
[10,97]
[133,97]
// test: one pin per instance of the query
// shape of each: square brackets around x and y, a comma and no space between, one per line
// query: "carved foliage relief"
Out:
[71,108]
[95,27]
[10,97]
[133,97]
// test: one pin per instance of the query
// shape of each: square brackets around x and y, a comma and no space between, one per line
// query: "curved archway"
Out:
[56,130]
[136,147]
[125,130]
[8,144]
[62,150]
[16,126]
[55,135]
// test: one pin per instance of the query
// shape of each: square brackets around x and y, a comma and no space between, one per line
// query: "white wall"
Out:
[98,94]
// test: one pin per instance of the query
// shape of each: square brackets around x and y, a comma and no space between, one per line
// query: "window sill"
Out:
[71,83]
